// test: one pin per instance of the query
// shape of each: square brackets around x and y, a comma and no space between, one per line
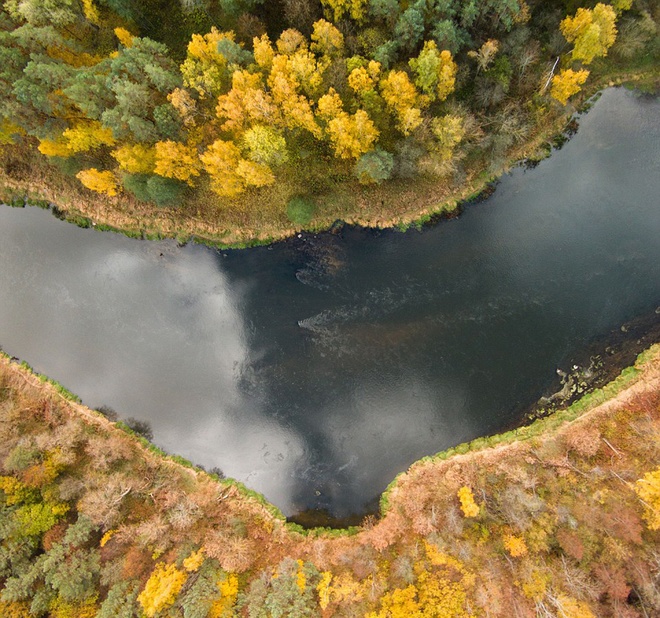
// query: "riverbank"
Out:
[260,217]
[549,515]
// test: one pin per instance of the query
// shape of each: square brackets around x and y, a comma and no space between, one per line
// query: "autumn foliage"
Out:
[565,524]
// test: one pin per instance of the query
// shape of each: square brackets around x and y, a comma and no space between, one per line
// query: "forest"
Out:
[282,112]
[559,519]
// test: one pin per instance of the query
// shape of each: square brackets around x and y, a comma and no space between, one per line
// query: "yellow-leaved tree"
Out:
[593,31]
[183,103]
[135,158]
[265,145]
[101,182]
[337,9]
[515,545]
[230,173]
[205,68]
[223,607]
[448,131]
[284,87]
[567,83]
[176,160]
[263,52]
[435,71]
[434,596]
[161,588]
[86,136]
[124,37]
[247,103]
[220,162]
[403,99]
[569,607]
[327,40]
[351,135]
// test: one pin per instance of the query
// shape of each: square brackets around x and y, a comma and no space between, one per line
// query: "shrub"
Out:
[165,191]
[300,210]
[374,167]
[142,428]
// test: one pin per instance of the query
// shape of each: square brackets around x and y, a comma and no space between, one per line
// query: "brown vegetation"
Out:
[555,525]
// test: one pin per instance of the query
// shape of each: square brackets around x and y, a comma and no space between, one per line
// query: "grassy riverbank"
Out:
[548,518]
[261,217]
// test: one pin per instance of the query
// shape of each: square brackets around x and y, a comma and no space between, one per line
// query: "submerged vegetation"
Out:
[239,119]
[557,519]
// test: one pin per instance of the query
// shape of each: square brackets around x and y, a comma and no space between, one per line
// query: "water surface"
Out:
[315,370]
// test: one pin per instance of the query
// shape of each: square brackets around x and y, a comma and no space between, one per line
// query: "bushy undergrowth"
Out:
[95,522]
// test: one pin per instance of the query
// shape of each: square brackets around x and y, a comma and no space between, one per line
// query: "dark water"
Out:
[317,369]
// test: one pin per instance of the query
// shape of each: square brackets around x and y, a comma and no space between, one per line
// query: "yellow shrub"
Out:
[101,182]
[515,545]
[468,505]
[194,561]
[648,491]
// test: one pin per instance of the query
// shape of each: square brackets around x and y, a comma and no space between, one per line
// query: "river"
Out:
[315,370]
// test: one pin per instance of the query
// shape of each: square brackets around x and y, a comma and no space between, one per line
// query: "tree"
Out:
[435,70]
[139,79]
[401,97]
[45,12]
[593,31]
[135,158]
[284,84]
[220,162]
[265,145]
[163,192]
[338,9]
[448,131]
[301,14]
[327,40]
[486,54]
[374,167]
[161,589]
[289,592]
[387,11]
[263,52]
[409,29]
[291,41]
[54,147]
[39,93]
[515,545]
[448,35]
[185,105]
[567,83]
[350,135]
[254,174]
[71,569]
[85,136]
[177,160]
[206,68]
[247,103]
[102,182]
[363,78]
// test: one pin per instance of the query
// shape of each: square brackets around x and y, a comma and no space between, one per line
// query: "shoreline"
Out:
[314,523]
[47,188]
